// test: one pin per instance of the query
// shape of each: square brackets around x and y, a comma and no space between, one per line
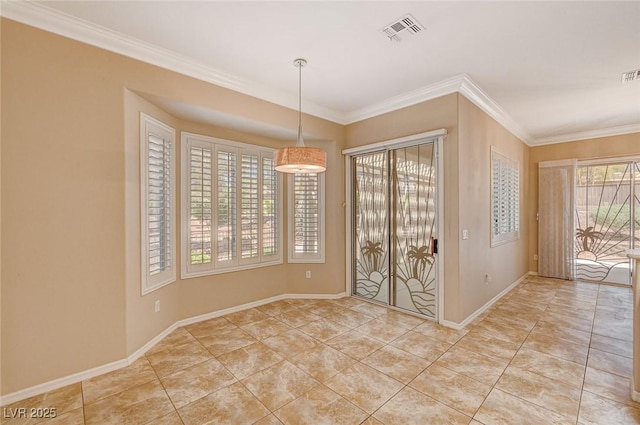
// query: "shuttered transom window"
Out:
[231,209]
[306,218]
[157,149]
[505,199]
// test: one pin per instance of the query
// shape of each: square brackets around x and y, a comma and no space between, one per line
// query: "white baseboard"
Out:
[482,309]
[62,382]
[110,367]
[149,345]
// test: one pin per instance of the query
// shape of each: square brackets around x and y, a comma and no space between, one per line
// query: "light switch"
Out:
[465,234]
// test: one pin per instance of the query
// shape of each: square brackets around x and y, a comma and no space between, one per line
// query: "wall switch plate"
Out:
[307,274]
[156,306]
[535,257]
[465,234]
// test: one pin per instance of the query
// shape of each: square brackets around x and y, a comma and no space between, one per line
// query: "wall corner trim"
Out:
[478,312]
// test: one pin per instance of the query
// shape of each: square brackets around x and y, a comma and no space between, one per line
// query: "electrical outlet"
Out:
[156,306]
[465,234]
[487,278]
[307,274]
[535,257]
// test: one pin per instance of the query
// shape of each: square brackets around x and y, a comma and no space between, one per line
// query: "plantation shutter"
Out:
[306,227]
[157,203]
[159,197]
[226,209]
[230,196]
[200,212]
[505,199]
[249,205]
[269,208]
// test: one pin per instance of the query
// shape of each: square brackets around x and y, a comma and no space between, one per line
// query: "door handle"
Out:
[433,246]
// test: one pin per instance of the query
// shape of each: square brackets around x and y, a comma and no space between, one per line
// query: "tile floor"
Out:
[550,352]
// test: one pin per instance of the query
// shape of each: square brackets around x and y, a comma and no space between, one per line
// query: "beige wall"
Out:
[503,263]
[70,277]
[1,205]
[63,307]
[603,147]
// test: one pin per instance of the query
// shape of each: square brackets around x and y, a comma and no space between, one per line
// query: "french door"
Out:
[394,226]
[607,220]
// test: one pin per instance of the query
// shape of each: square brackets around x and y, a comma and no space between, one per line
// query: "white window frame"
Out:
[319,256]
[150,125]
[188,270]
[505,194]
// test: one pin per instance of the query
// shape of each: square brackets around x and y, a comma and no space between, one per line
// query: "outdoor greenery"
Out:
[614,216]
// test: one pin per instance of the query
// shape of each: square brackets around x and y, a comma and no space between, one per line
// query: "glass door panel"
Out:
[413,197]
[604,221]
[371,235]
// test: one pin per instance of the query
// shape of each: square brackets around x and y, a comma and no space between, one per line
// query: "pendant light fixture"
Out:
[300,158]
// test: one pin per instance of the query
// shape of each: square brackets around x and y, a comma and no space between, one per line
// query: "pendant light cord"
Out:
[300,141]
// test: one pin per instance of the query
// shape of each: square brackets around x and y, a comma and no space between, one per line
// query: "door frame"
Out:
[437,136]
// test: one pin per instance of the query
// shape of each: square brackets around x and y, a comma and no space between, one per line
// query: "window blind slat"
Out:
[200,228]
[226,209]
[159,203]
[269,208]
[249,206]
[505,196]
[306,217]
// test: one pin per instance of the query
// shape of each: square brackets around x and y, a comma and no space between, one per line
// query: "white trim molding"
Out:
[432,91]
[486,306]
[62,382]
[585,135]
[110,367]
[477,96]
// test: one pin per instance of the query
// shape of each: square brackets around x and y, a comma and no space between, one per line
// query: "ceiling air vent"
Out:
[627,77]
[405,25]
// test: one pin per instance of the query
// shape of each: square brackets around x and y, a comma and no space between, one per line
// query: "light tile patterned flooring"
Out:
[550,352]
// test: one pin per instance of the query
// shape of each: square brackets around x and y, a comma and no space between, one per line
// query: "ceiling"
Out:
[548,71]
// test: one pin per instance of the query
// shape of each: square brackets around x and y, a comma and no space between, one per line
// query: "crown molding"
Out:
[423,94]
[482,100]
[591,134]
[48,19]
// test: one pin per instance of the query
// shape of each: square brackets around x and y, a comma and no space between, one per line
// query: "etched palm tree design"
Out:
[419,257]
[373,251]
[588,237]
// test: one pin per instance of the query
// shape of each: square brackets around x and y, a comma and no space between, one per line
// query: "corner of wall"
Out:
[142,322]
[485,271]
[1,209]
